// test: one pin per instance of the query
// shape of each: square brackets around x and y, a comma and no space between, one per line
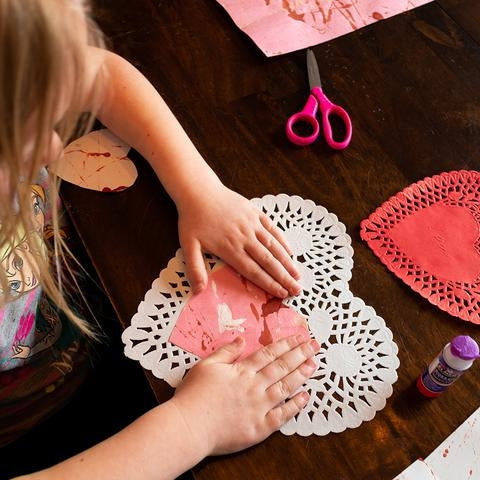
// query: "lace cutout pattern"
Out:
[427,235]
[357,364]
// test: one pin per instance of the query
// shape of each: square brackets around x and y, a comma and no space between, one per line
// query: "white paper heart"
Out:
[97,161]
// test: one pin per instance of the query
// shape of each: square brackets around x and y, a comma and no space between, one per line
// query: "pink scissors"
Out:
[317,99]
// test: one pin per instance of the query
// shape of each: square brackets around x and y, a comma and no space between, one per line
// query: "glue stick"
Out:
[455,358]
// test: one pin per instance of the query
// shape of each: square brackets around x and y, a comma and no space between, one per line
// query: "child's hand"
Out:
[226,224]
[230,406]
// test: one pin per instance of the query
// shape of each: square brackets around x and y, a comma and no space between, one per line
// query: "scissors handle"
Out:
[327,108]
[307,115]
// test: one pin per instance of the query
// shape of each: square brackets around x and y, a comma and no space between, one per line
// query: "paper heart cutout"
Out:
[428,235]
[97,161]
[231,306]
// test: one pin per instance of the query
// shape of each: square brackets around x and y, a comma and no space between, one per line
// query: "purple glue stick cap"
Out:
[464,347]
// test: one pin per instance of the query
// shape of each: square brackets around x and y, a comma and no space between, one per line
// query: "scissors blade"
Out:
[312,68]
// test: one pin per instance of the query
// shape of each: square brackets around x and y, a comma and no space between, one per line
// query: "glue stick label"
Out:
[439,375]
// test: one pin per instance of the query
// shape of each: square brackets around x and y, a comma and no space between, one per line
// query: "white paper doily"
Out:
[356,365]
[358,358]
[318,240]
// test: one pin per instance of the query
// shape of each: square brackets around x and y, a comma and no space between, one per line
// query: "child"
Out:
[51,72]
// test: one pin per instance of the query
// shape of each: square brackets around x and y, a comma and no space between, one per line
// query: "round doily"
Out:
[428,235]
[358,359]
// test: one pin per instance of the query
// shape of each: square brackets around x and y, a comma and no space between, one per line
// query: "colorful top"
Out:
[42,356]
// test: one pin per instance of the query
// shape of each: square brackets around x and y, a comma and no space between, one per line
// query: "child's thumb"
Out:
[228,353]
[196,272]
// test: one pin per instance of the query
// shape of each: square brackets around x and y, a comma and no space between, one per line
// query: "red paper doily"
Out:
[428,235]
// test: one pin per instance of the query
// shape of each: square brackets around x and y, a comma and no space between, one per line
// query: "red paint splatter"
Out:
[116,189]
[91,154]
[99,154]
[273,305]
[445,452]
[266,337]
[377,16]
[207,341]
[100,168]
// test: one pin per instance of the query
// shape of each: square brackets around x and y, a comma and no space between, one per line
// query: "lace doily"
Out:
[358,358]
[428,235]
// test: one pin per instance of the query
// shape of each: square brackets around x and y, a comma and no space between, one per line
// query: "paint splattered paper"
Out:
[231,306]
[456,458]
[282,26]
[429,236]
[97,161]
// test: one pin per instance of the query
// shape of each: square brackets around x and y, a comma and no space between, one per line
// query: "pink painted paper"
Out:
[282,26]
[229,307]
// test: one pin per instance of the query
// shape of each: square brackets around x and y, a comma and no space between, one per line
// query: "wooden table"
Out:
[412,87]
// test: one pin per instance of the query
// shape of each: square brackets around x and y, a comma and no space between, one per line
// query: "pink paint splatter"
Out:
[231,306]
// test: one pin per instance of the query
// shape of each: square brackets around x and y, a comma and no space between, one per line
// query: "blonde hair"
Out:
[43,59]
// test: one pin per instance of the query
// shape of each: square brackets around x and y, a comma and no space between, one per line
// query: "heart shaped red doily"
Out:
[428,235]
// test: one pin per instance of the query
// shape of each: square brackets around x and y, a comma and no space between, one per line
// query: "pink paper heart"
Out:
[428,235]
[231,306]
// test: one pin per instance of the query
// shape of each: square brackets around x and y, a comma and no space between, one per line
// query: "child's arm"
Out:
[211,217]
[220,407]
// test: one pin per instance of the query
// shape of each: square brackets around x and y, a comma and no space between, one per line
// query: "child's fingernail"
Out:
[282,293]
[295,272]
[314,344]
[311,363]
[300,338]
[305,397]
[296,289]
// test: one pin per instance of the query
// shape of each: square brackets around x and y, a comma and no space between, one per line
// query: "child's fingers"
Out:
[289,362]
[196,271]
[278,250]
[252,271]
[277,416]
[273,266]
[266,355]
[228,353]
[285,387]
[272,229]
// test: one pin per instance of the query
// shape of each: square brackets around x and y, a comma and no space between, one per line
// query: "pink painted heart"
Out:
[231,306]
[428,235]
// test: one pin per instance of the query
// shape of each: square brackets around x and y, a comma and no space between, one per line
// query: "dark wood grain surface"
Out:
[412,87]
